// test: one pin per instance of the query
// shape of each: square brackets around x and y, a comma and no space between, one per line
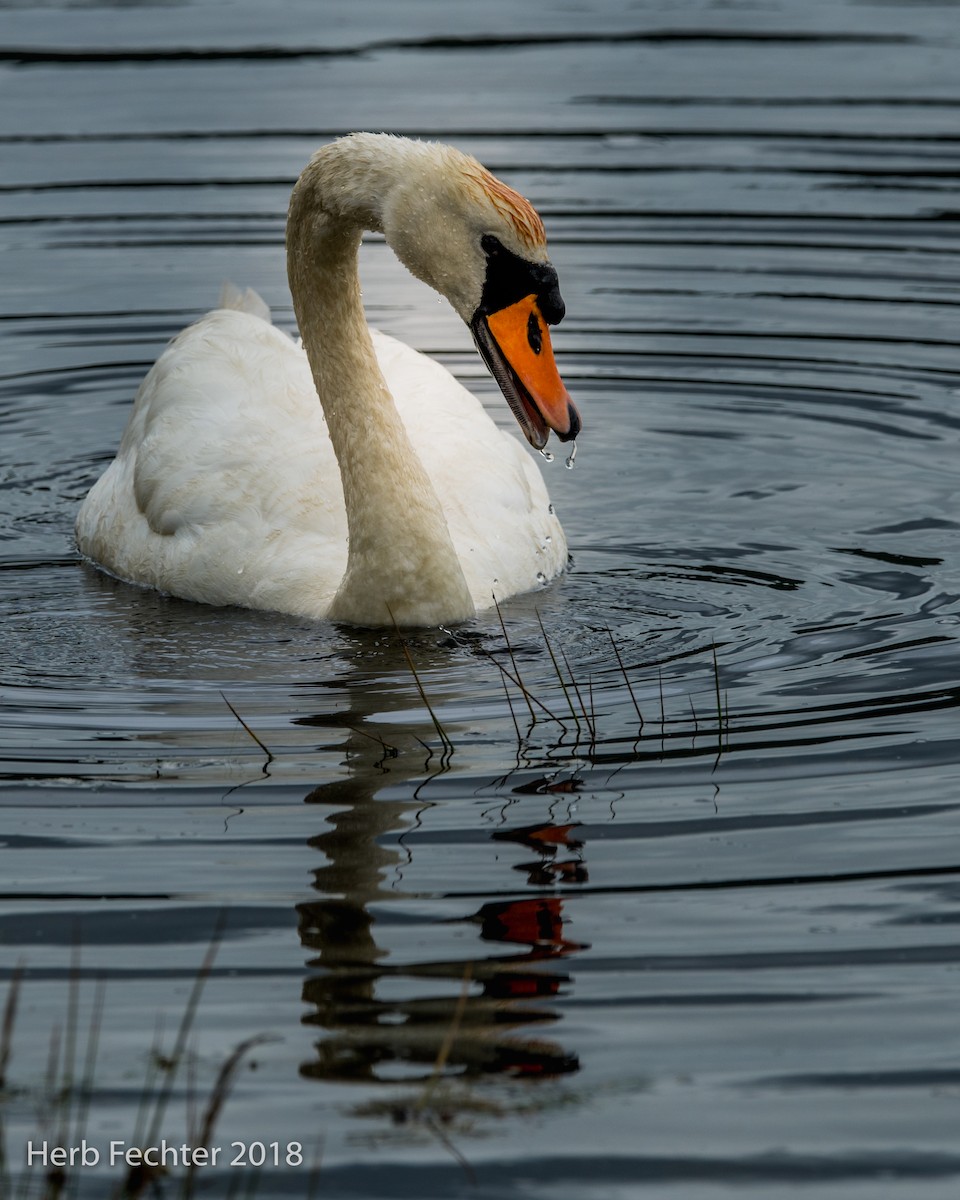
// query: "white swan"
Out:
[395,498]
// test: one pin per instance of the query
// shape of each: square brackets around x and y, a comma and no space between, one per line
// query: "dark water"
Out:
[693,932]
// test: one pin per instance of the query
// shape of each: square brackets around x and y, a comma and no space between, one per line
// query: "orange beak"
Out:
[515,345]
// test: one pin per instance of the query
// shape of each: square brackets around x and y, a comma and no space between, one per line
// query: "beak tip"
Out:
[572,431]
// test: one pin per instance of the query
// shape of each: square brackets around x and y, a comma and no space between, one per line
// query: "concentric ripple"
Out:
[656,867]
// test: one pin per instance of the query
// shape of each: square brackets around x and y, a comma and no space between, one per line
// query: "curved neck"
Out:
[401,563]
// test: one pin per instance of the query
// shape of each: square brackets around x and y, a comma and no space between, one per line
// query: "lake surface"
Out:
[694,930]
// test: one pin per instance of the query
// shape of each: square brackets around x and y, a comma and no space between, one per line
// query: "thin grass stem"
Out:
[249,731]
[147,1087]
[313,1182]
[513,715]
[716,685]
[85,1094]
[69,1064]
[388,750]
[203,1135]
[531,699]
[516,669]
[577,693]
[441,732]
[9,1020]
[448,1039]
[556,667]
[6,1049]
[439,1065]
[186,1023]
[452,1149]
[53,1066]
[626,678]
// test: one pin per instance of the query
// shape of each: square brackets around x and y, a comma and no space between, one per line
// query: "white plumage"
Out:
[226,488]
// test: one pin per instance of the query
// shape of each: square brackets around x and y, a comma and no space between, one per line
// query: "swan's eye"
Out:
[534,336]
[509,278]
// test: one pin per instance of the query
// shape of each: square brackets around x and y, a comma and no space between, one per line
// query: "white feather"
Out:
[226,488]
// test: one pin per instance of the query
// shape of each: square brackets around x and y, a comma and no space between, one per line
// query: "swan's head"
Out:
[482,245]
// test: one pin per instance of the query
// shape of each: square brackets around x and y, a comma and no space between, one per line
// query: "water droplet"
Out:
[239,570]
[550,509]
[541,578]
[548,539]
[572,457]
[547,454]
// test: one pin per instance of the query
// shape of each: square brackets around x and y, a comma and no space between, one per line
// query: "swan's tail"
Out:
[247,301]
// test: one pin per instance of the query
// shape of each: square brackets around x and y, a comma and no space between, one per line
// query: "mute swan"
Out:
[393,498]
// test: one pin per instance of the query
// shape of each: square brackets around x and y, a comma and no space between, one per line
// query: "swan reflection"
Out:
[384,1020]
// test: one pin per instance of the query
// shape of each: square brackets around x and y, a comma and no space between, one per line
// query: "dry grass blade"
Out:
[147,1085]
[576,689]
[183,1032]
[513,715]
[9,1020]
[67,1079]
[249,731]
[516,669]
[313,1183]
[449,1037]
[441,732]
[531,699]
[53,1062]
[441,1061]
[89,1064]
[451,1148]
[218,1097]
[6,1048]
[626,677]
[716,684]
[556,667]
[388,750]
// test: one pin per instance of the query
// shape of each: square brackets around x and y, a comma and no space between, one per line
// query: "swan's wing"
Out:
[225,486]
[228,422]
[244,300]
